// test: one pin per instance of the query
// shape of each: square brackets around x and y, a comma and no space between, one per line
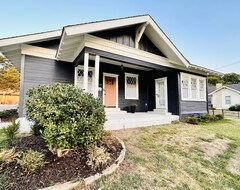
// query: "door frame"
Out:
[166,93]
[103,91]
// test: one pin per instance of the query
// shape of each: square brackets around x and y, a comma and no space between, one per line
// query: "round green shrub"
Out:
[235,107]
[69,116]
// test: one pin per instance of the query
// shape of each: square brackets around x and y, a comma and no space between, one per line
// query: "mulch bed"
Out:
[10,118]
[56,170]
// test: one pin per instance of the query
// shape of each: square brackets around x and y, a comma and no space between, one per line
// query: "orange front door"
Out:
[110,92]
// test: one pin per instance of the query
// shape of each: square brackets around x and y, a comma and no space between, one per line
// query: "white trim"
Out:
[137,86]
[85,77]
[198,78]
[21,101]
[166,91]
[139,33]
[30,38]
[103,91]
[89,69]
[38,51]
[96,80]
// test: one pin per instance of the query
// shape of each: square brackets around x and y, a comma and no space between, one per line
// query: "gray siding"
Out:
[189,108]
[39,71]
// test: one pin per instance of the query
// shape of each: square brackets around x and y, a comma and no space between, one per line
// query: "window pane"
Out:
[227,99]
[194,88]
[80,76]
[201,89]
[131,87]
[185,87]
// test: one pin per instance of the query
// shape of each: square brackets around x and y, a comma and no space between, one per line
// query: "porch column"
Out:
[96,81]
[85,77]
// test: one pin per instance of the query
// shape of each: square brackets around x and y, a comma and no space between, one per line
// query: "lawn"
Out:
[177,156]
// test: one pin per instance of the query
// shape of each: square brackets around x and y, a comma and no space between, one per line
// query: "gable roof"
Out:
[71,37]
[233,87]
[73,33]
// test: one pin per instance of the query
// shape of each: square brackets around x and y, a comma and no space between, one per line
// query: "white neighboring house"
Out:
[224,96]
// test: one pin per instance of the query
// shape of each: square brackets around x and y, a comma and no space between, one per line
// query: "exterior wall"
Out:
[39,71]
[218,98]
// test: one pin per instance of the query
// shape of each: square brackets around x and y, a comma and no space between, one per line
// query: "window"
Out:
[227,99]
[131,86]
[79,75]
[193,87]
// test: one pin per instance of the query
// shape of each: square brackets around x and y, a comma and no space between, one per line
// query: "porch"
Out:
[140,119]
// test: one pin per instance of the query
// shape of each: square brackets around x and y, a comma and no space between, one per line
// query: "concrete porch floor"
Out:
[140,119]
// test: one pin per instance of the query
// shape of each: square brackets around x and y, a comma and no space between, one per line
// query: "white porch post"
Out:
[85,77]
[96,81]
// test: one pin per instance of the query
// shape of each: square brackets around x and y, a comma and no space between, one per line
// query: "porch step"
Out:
[110,111]
[160,111]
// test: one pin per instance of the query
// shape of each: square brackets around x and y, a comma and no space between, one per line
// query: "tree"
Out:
[9,79]
[231,78]
[214,79]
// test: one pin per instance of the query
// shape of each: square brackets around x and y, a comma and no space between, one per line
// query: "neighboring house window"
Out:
[227,99]
[79,75]
[193,87]
[131,86]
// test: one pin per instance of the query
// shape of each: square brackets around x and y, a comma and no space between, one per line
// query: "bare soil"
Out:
[56,170]
[214,148]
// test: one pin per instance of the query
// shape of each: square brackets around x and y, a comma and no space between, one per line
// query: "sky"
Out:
[207,32]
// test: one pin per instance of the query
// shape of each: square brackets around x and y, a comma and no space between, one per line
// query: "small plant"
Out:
[11,131]
[133,108]
[108,140]
[31,160]
[191,120]
[203,119]
[7,156]
[97,156]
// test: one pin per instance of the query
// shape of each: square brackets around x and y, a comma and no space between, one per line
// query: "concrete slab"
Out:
[129,120]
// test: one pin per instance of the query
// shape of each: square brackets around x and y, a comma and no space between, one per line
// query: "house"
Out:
[224,96]
[121,61]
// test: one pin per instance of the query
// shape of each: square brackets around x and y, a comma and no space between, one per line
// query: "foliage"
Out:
[108,140]
[12,130]
[69,116]
[235,107]
[37,129]
[8,156]
[97,156]
[3,181]
[7,113]
[203,119]
[31,160]
[9,79]
[231,78]
[214,79]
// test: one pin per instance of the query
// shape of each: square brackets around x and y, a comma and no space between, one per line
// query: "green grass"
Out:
[170,157]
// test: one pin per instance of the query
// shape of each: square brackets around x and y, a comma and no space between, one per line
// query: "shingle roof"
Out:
[232,86]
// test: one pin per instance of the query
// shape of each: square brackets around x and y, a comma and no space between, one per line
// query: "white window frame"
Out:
[137,86]
[198,78]
[89,69]
[230,101]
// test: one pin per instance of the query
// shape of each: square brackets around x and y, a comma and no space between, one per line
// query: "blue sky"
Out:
[207,32]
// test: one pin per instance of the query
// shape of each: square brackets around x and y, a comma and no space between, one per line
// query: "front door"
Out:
[110,91]
[161,93]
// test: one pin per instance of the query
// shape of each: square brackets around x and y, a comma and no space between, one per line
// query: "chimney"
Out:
[218,85]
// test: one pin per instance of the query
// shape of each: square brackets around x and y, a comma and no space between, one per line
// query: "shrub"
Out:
[6,113]
[7,156]
[235,107]
[97,156]
[12,130]
[191,120]
[108,140]
[219,116]
[31,160]
[69,116]
[37,129]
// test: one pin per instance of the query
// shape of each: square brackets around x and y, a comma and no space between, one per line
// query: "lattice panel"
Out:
[131,81]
